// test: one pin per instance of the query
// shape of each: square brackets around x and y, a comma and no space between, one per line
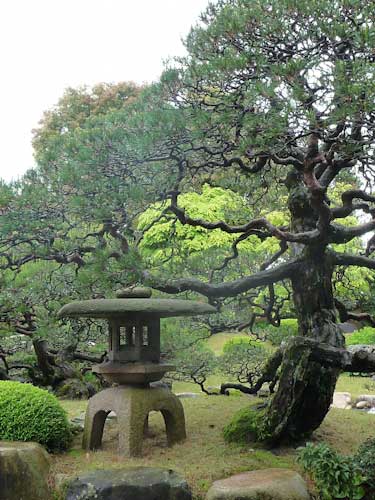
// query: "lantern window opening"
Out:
[145,339]
[127,335]
[131,335]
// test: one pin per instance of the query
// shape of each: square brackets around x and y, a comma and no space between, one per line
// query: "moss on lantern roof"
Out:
[112,308]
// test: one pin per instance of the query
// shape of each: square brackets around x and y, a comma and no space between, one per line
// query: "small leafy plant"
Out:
[365,460]
[335,476]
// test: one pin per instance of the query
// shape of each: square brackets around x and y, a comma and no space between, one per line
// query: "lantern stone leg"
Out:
[132,406]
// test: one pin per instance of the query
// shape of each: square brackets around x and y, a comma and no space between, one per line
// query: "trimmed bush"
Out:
[276,335]
[245,426]
[365,460]
[28,413]
[365,335]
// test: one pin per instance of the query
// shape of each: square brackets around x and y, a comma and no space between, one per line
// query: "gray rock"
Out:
[369,348]
[188,394]
[162,383]
[347,327]
[362,405]
[214,389]
[267,484]
[342,400]
[370,398]
[24,469]
[138,483]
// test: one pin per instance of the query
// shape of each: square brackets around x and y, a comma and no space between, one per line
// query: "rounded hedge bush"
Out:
[276,335]
[28,413]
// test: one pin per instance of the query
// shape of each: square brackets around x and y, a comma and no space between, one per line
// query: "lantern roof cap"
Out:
[121,307]
[134,292]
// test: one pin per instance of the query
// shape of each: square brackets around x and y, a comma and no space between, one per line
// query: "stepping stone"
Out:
[341,400]
[24,469]
[183,395]
[266,484]
[137,483]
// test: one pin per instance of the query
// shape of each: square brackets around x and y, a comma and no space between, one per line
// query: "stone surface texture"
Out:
[369,398]
[24,469]
[136,292]
[361,405]
[112,308]
[184,395]
[140,483]
[347,327]
[138,372]
[132,406]
[369,348]
[342,400]
[266,484]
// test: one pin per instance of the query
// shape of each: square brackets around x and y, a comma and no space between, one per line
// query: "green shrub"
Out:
[276,335]
[28,413]
[365,460]
[245,426]
[335,476]
[244,360]
[365,335]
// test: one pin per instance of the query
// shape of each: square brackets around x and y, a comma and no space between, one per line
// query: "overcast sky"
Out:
[49,45]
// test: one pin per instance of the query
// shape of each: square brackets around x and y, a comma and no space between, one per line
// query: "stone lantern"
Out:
[133,362]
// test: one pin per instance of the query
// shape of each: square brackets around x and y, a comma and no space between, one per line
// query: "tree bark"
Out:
[54,368]
[306,385]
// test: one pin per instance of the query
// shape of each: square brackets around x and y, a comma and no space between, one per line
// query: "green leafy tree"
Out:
[280,92]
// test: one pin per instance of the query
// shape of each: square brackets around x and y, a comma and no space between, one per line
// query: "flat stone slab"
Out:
[24,468]
[347,327]
[116,308]
[266,484]
[342,400]
[138,483]
[183,395]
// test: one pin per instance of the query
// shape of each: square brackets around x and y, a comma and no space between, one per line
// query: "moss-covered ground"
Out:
[204,456]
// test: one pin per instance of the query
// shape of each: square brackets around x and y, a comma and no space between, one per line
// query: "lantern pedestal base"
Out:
[132,406]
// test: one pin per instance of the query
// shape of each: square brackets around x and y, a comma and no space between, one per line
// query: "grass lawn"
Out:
[355,385]
[216,342]
[204,456]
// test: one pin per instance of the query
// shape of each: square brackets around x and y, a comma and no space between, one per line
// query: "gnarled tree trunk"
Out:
[306,386]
